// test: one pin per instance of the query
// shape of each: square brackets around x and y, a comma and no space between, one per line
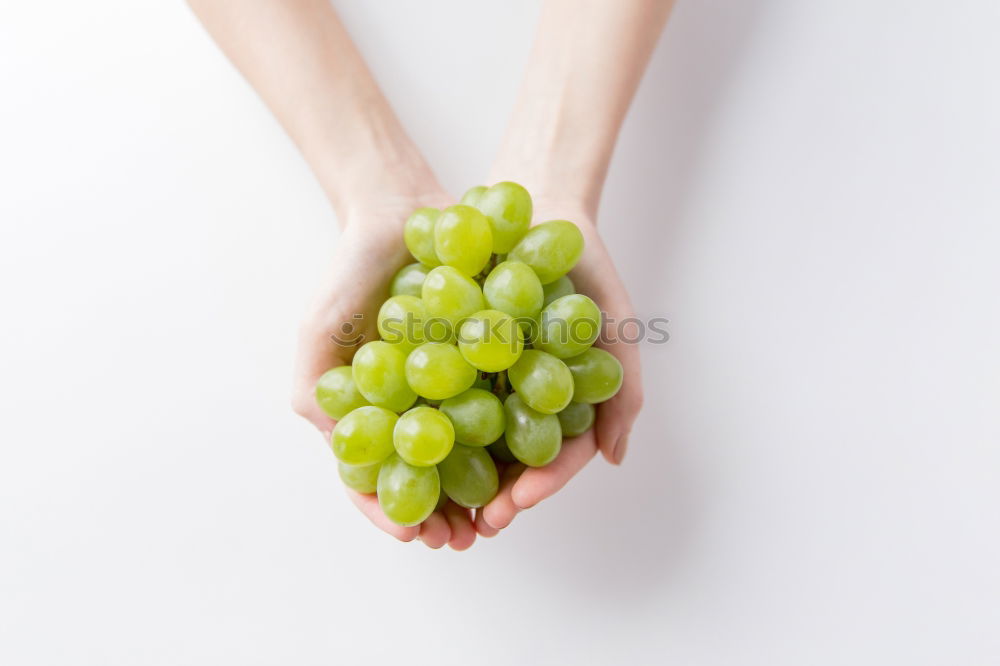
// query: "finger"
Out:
[368,504]
[501,510]
[482,527]
[322,422]
[304,404]
[595,276]
[317,353]
[463,534]
[310,366]
[435,531]
[620,449]
[616,416]
[609,427]
[538,483]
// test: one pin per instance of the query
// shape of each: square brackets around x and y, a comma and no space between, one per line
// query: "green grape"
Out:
[532,437]
[423,436]
[437,371]
[409,280]
[472,195]
[490,340]
[364,437]
[576,419]
[469,476]
[512,287]
[379,372]
[597,376]
[449,297]
[500,451]
[362,478]
[543,381]
[551,249]
[569,326]
[553,290]
[336,393]
[401,321]
[530,328]
[418,234]
[406,493]
[477,416]
[462,239]
[508,208]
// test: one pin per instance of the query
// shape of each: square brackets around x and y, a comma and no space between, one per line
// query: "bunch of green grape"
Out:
[486,357]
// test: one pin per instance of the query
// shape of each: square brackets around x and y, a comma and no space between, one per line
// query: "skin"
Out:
[587,61]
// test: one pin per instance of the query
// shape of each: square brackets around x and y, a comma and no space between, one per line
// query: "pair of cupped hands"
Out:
[369,253]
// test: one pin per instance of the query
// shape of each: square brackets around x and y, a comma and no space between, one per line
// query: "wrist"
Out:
[382,191]
[385,210]
[555,170]
[557,188]
[364,159]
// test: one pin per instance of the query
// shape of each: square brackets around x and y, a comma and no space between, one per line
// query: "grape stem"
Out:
[500,385]
[490,265]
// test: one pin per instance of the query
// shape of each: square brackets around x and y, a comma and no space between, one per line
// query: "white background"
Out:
[809,191]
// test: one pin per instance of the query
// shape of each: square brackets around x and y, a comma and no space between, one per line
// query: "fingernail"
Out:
[620,447]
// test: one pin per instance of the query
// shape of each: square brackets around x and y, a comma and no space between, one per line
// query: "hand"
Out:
[559,142]
[300,59]
[595,276]
[369,253]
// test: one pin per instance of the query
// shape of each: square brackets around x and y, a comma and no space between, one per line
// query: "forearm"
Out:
[302,62]
[585,66]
